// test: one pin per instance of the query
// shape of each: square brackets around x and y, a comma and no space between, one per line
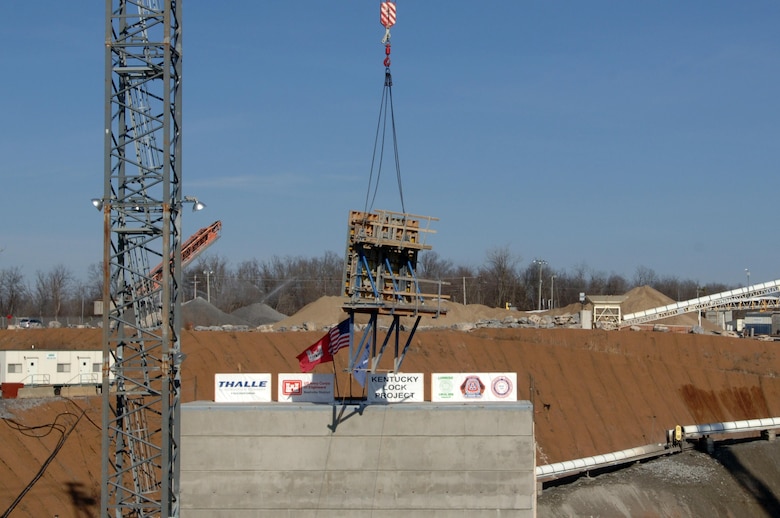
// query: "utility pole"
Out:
[541,263]
[552,291]
[747,271]
[208,274]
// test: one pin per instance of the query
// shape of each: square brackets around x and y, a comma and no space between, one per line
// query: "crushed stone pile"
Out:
[200,314]
[259,314]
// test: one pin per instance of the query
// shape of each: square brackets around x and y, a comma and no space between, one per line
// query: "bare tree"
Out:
[431,266]
[464,286]
[51,290]
[245,286]
[616,285]
[645,276]
[13,292]
[501,276]
[94,282]
[289,283]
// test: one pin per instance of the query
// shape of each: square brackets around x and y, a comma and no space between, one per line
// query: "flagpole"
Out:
[335,378]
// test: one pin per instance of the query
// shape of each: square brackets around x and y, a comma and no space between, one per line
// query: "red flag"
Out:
[315,354]
[327,346]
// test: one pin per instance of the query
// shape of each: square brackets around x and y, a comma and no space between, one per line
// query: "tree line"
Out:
[287,284]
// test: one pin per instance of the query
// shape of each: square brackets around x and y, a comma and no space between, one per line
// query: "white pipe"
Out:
[597,461]
[749,425]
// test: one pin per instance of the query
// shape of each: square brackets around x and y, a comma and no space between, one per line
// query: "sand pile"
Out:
[643,298]
[323,313]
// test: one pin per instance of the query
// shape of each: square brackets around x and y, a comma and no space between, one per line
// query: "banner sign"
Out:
[474,387]
[305,387]
[399,387]
[241,388]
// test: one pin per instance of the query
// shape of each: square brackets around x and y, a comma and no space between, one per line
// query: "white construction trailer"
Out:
[58,368]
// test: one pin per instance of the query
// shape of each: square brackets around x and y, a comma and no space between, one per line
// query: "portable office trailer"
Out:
[41,367]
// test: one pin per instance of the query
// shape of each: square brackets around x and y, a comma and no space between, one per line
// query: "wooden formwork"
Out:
[381,262]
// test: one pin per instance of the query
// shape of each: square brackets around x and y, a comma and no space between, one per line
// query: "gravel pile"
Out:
[683,468]
[200,314]
[258,314]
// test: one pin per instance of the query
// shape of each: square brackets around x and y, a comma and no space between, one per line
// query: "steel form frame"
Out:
[370,340]
[141,206]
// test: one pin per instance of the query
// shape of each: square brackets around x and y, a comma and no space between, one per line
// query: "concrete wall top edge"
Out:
[303,407]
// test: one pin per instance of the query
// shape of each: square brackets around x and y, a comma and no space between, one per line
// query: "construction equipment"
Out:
[142,209]
[382,247]
[193,247]
[758,296]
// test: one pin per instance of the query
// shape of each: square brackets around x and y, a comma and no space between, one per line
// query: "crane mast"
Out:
[141,206]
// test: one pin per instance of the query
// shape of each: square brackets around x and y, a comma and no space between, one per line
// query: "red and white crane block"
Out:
[387,14]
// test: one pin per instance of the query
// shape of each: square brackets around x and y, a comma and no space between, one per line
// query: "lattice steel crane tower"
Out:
[142,204]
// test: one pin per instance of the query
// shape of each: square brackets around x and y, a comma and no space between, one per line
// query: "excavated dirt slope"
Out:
[593,392]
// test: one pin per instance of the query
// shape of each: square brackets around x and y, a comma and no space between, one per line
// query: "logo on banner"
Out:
[501,386]
[242,387]
[292,387]
[472,387]
[315,355]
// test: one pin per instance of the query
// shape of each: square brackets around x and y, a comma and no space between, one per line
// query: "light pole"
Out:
[747,271]
[541,263]
[208,274]
[552,292]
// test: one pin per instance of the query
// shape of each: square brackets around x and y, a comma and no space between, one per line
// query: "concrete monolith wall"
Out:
[395,461]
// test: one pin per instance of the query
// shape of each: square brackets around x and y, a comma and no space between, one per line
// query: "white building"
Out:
[59,368]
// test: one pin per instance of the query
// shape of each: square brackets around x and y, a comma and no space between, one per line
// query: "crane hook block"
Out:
[387,55]
[387,14]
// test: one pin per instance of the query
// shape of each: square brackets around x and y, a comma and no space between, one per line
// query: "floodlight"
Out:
[196,205]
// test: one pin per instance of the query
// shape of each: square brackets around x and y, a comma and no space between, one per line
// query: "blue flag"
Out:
[360,370]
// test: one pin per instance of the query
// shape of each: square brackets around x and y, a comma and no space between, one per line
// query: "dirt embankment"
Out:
[593,392]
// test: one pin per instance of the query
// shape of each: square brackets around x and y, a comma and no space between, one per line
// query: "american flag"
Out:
[338,337]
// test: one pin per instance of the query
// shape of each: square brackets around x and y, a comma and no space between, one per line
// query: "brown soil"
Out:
[593,391]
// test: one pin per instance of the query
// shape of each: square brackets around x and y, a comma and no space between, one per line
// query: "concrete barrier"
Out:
[396,461]
[35,392]
[79,391]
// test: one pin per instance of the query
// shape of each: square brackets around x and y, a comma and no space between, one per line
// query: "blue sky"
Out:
[613,134]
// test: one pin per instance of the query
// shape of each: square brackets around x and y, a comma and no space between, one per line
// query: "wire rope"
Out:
[380,139]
